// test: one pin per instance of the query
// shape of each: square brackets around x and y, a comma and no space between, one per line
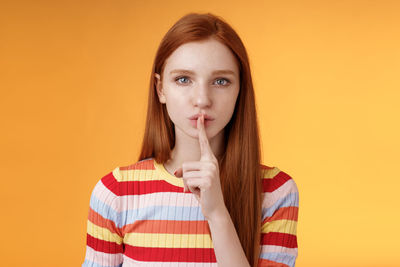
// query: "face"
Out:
[200,77]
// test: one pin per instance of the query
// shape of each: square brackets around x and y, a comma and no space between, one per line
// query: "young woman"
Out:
[198,194]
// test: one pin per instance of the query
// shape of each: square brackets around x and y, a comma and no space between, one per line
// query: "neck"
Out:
[187,148]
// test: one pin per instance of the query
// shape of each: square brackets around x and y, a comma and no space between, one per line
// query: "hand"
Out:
[202,177]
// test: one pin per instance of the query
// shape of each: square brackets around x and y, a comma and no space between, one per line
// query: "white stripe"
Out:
[270,198]
[129,202]
[157,199]
[128,262]
[102,258]
[104,194]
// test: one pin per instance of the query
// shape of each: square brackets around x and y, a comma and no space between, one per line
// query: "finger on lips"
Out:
[204,151]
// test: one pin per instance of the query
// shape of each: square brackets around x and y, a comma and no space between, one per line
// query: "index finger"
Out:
[205,149]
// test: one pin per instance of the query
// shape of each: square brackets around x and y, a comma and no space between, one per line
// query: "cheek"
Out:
[174,95]
[175,101]
[175,108]
[229,102]
[225,111]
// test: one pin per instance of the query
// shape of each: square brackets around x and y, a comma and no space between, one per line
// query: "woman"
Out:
[198,192]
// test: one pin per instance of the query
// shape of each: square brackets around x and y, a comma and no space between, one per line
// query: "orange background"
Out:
[74,82]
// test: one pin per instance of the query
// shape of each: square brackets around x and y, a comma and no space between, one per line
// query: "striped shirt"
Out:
[140,216]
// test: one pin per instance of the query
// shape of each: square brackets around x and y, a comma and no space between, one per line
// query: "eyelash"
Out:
[227,81]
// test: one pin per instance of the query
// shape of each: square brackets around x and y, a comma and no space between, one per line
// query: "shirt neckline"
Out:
[166,175]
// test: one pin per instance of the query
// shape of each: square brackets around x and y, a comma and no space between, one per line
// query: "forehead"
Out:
[202,56]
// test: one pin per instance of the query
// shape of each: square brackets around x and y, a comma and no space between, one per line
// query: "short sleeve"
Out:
[279,220]
[104,237]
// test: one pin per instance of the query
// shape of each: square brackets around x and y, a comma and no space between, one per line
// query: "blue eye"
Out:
[223,79]
[180,81]
[179,78]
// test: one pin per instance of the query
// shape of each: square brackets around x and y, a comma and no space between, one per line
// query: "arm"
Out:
[104,238]
[279,228]
[227,247]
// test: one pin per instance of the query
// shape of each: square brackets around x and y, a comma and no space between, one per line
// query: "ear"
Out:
[159,89]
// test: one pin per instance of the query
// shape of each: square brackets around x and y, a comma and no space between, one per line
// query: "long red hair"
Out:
[240,171]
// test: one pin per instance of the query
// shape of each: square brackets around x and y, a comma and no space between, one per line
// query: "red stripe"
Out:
[270,185]
[137,187]
[170,254]
[279,239]
[148,187]
[284,213]
[168,227]
[104,246]
[111,183]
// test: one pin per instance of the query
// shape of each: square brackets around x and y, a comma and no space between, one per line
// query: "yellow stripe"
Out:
[162,172]
[271,173]
[159,173]
[134,175]
[168,240]
[281,226]
[102,233]
[146,175]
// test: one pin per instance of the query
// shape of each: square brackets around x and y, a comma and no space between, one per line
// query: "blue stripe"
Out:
[290,200]
[285,258]
[173,213]
[170,213]
[103,209]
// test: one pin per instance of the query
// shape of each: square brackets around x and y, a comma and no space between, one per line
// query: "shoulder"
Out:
[280,195]
[134,171]
[115,181]
[274,179]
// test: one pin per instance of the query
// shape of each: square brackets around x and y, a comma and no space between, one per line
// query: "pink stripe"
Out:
[272,248]
[103,193]
[129,202]
[103,259]
[271,198]
[156,199]
[131,262]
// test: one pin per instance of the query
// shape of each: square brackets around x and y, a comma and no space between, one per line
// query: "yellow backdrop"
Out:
[74,84]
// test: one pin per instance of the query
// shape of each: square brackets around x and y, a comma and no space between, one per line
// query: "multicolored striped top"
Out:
[140,216]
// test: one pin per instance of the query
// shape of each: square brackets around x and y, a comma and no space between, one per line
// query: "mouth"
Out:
[206,117]
[206,122]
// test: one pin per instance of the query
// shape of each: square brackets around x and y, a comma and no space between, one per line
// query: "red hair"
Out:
[240,170]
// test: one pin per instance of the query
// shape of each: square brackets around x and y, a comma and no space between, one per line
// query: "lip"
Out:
[206,117]
[206,123]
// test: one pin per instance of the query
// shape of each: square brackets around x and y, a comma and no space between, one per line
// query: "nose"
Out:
[201,96]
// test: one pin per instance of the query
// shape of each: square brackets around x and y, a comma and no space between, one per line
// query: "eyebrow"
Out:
[192,72]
